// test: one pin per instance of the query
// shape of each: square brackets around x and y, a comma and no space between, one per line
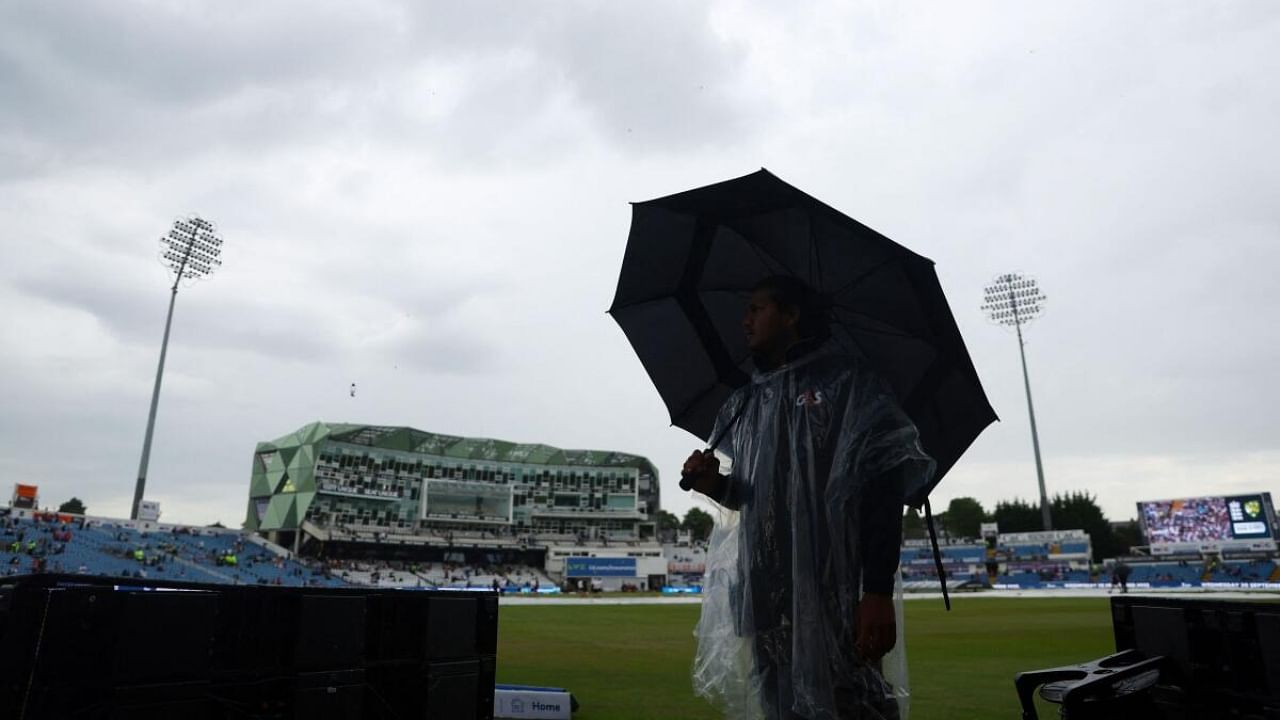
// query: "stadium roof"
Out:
[407,439]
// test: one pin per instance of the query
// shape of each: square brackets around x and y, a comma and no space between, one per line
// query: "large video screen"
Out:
[1206,519]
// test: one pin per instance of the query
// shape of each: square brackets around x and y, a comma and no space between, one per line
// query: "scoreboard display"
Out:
[1248,516]
[1209,519]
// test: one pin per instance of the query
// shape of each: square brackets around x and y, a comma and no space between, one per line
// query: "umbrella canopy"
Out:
[693,258]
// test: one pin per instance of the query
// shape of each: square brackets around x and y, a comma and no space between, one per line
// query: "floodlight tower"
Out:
[1013,300]
[192,250]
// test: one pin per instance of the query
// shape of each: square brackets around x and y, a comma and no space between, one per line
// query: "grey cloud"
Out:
[162,80]
[185,55]
[443,348]
[135,315]
[656,79]
[117,86]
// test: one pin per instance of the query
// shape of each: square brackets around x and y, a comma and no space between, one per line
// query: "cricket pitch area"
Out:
[631,660]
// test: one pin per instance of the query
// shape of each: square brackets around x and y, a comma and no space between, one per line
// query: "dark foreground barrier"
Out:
[78,647]
[1176,659]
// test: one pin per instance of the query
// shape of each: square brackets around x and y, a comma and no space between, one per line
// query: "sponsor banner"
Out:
[989,529]
[1203,548]
[514,701]
[1038,565]
[578,567]
[353,491]
[946,561]
[1051,585]
[1241,585]
[1043,536]
[1059,585]
[149,510]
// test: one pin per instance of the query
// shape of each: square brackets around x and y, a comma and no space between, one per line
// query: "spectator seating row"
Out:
[175,553]
[1166,573]
[1243,571]
[972,553]
[1031,551]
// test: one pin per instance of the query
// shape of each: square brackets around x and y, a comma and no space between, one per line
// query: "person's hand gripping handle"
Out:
[701,472]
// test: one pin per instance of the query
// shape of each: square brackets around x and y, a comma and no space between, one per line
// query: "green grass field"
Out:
[633,661]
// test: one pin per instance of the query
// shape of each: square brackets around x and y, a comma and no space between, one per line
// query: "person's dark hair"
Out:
[791,293]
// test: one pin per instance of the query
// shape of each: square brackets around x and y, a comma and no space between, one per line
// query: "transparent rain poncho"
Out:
[784,568]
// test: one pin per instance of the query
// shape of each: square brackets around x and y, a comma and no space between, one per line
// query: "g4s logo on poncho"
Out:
[813,405]
[810,398]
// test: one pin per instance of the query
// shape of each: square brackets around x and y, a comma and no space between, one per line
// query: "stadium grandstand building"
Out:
[1051,558]
[337,487]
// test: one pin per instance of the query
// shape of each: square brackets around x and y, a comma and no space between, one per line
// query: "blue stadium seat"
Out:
[108,550]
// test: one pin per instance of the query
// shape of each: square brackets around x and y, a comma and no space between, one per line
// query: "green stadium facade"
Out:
[401,481]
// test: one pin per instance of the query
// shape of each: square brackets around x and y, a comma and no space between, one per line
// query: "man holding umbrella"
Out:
[821,459]
[849,393]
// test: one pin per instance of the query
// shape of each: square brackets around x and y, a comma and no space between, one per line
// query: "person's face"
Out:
[769,329]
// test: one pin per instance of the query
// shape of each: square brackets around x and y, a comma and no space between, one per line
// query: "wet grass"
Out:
[632,661]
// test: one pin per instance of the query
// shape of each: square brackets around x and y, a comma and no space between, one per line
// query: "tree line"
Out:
[697,521]
[1073,511]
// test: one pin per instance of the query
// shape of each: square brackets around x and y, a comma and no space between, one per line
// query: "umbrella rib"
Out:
[637,303]
[815,257]
[769,261]
[695,400]
[893,332]
[687,299]
[857,280]
[852,346]
[765,258]
[810,254]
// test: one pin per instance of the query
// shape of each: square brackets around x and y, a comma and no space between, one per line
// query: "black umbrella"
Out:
[692,259]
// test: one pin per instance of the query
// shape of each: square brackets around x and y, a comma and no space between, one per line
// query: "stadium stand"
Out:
[686,563]
[1160,574]
[1242,571]
[511,579]
[965,553]
[33,542]
[963,562]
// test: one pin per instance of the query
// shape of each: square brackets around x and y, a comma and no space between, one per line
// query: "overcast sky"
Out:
[430,200]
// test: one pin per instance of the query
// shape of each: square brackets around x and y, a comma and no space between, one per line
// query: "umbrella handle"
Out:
[686,481]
